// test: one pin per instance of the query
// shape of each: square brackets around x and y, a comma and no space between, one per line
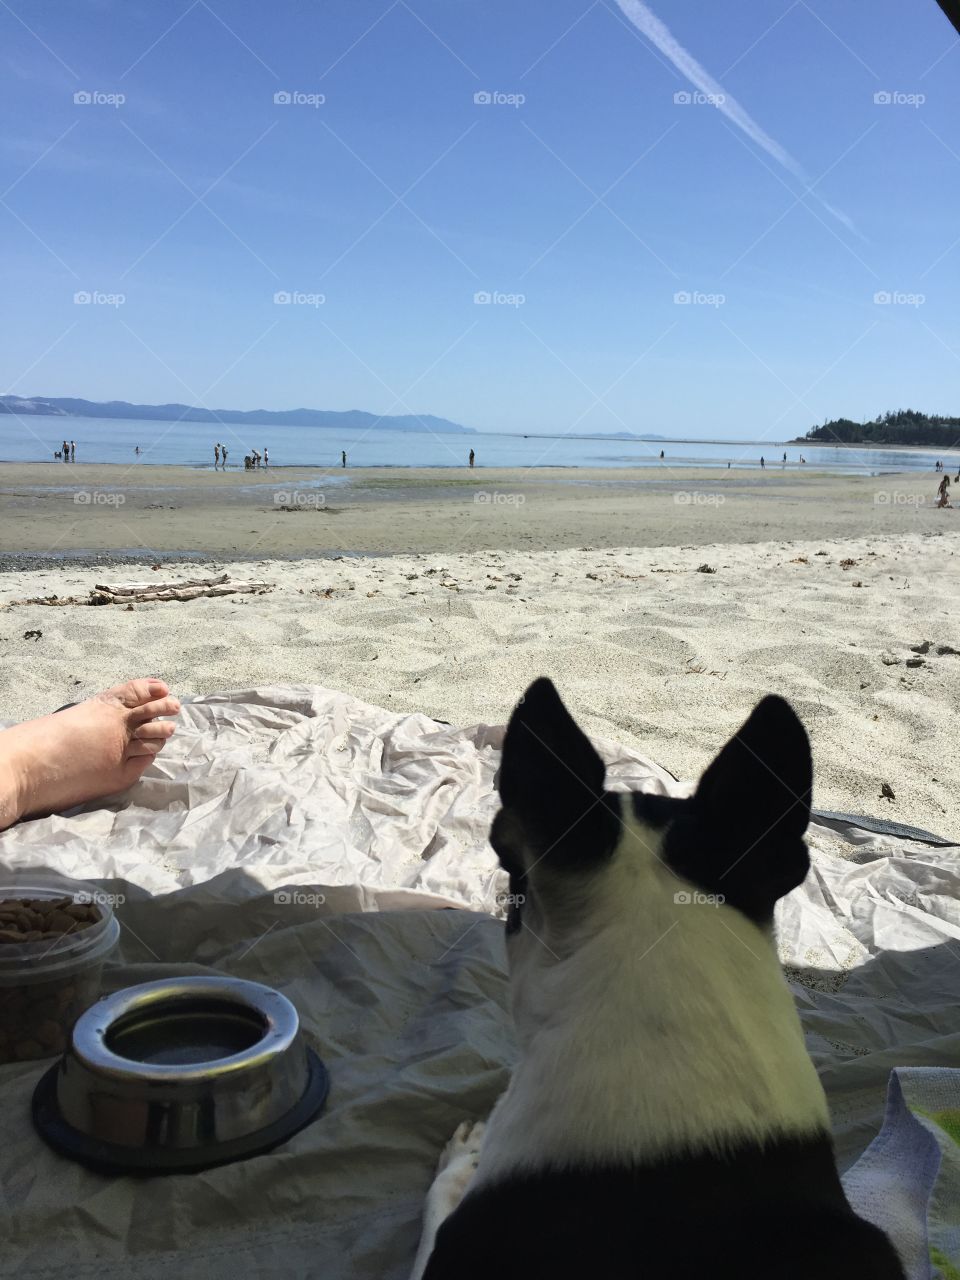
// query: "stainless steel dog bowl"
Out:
[180,1075]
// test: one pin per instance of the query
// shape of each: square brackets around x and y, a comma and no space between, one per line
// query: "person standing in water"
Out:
[73,450]
[224,457]
[343,457]
[216,455]
[472,457]
[266,457]
[763,465]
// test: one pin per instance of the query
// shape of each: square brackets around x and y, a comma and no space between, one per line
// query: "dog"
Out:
[664,1120]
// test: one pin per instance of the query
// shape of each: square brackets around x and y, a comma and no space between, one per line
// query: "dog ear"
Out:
[753,803]
[551,783]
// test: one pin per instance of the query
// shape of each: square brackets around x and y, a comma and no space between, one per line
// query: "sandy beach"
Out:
[154,512]
[647,647]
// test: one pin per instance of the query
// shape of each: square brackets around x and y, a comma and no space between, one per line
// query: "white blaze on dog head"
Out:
[650,1005]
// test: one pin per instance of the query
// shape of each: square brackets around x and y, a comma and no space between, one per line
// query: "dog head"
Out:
[577,854]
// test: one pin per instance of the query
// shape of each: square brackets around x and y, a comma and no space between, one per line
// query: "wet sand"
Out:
[139,512]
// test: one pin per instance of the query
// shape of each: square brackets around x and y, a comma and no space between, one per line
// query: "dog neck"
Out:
[649,1029]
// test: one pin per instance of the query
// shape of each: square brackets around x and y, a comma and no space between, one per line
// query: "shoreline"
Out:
[117,510]
[473,434]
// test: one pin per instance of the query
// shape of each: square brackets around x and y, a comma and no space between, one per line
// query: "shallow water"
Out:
[35,439]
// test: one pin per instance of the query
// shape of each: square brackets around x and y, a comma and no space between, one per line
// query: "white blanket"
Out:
[379,812]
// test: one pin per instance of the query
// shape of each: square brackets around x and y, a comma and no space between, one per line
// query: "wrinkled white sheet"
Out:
[389,813]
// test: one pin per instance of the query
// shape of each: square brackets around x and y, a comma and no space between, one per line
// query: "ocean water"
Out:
[35,439]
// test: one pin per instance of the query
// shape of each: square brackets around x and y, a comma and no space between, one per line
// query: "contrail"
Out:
[647,22]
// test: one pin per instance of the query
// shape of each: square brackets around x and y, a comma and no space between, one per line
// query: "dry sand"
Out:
[154,511]
[645,648]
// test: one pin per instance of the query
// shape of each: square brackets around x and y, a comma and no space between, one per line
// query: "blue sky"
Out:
[584,189]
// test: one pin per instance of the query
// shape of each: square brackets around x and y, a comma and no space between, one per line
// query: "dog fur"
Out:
[665,1119]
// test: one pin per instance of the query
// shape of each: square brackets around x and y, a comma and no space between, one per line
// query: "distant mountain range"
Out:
[350,419]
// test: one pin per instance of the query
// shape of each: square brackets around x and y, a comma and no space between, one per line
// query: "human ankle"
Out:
[12,783]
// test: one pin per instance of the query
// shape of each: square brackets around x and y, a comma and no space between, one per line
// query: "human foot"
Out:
[94,749]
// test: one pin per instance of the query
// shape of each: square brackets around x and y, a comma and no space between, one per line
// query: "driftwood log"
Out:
[130,593]
[135,588]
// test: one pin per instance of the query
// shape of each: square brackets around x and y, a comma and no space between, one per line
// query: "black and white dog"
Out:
[664,1119]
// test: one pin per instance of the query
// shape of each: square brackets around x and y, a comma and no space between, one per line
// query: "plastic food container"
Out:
[53,975]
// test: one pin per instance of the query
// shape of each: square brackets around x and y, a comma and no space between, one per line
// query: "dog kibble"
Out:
[57,915]
[36,1018]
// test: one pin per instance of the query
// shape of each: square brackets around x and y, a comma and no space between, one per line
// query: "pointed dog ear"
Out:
[751,808]
[551,784]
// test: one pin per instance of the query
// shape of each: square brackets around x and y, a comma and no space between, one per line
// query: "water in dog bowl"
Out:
[188,1033]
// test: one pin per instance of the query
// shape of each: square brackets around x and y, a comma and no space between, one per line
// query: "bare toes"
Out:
[154,729]
[134,693]
[168,706]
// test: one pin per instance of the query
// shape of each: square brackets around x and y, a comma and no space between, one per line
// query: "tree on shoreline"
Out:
[903,426]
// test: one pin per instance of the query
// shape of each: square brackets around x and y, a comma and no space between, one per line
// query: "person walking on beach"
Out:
[763,465]
[784,456]
[943,493]
[472,457]
[343,457]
